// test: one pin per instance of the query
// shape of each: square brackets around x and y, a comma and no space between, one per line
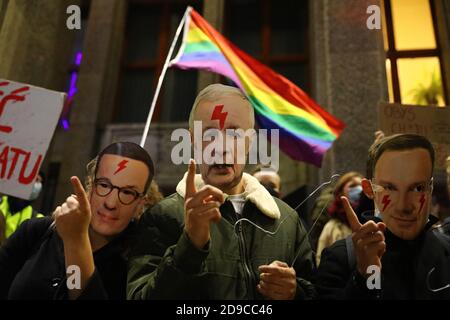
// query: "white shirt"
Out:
[238,201]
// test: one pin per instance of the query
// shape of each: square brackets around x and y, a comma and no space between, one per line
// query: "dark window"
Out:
[276,35]
[151,27]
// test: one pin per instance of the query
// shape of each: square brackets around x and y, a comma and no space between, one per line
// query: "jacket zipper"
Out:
[248,274]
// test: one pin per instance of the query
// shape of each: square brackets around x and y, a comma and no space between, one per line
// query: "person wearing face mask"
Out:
[81,251]
[395,254]
[337,227]
[16,211]
[198,244]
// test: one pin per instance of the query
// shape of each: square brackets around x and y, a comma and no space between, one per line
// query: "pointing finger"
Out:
[81,194]
[351,215]
[190,180]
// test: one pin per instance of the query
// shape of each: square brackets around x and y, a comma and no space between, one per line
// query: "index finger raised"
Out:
[190,180]
[80,192]
[352,219]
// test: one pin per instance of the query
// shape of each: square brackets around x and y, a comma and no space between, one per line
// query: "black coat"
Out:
[404,273]
[32,266]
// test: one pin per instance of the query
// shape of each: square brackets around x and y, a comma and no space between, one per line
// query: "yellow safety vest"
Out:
[13,221]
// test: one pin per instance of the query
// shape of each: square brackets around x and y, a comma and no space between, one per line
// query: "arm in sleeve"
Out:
[165,264]
[304,265]
[17,250]
[336,280]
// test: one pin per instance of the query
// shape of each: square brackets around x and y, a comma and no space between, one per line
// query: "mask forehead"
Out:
[226,112]
[123,171]
[403,168]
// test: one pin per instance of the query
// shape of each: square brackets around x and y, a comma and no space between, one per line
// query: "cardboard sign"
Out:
[28,118]
[429,121]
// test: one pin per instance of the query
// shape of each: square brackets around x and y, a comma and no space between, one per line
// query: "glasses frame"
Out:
[382,189]
[119,189]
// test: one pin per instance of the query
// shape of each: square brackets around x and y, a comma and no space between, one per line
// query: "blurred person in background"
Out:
[337,227]
[16,211]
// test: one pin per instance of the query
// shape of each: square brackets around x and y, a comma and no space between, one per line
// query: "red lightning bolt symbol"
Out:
[386,201]
[219,115]
[121,165]
[422,201]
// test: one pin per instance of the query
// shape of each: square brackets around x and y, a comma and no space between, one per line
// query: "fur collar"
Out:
[254,192]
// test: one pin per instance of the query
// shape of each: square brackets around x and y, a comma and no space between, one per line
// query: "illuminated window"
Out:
[413,64]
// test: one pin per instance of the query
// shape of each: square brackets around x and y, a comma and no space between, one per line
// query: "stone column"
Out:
[213,12]
[97,83]
[349,77]
[35,43]
[35,48]
[3,5]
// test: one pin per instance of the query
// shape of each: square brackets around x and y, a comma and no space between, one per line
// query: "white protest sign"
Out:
[429,121]
[28,118]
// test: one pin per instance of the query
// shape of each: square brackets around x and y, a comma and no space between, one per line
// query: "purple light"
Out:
[78,58]
[65,124]
[72,88]
[73,84]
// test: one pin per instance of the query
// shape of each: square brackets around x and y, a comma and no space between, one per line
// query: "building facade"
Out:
[110,68]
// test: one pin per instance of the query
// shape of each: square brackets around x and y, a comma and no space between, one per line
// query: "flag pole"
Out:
[161,77]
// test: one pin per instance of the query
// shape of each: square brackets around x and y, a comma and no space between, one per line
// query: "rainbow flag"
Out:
[306,130]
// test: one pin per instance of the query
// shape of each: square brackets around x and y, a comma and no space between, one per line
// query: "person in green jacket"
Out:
[221,235]
[15,210]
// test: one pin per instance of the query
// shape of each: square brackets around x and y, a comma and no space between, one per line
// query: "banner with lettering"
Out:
[28,118]
[429,121]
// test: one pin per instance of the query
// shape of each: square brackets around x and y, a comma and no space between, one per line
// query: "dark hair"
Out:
[130,150]
[397,142]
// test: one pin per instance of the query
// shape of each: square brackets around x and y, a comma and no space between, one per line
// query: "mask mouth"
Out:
[405,219]
[221,166]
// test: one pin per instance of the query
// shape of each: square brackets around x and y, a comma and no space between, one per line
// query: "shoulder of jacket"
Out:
[285,209]
[442,237]
[169,208]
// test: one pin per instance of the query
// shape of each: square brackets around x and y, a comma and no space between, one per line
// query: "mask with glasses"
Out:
[104,187]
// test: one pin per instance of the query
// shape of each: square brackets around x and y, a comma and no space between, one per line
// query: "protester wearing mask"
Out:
[397,255]
[198,244]
[337,227]
[81,251]
[16,211]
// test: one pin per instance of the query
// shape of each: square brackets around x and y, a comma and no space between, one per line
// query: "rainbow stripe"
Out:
[306,130]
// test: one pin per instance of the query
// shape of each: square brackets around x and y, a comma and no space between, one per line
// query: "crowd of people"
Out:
[226,234]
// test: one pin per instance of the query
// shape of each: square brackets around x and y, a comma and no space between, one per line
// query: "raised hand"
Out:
[72,221]
[201,208]
[72,218]
[368,240]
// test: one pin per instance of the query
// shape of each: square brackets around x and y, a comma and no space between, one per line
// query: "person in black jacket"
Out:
[395,254]
[82,253]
